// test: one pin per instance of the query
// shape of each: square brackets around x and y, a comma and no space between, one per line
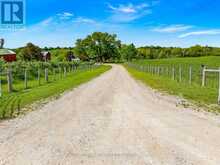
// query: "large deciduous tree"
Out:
[129,52]
[30,52]
[98,46]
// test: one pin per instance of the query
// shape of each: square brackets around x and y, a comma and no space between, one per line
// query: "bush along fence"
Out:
[21,77]
[207,77]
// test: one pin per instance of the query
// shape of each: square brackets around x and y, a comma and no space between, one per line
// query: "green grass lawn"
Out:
[185,63]
[205,96]
[11,104]
[211,61]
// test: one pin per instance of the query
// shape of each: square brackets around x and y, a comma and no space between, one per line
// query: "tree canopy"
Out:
[98,46]
[30,52]
[105,47]
[128,52]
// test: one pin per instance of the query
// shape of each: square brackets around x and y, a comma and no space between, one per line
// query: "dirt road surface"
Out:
[112,120]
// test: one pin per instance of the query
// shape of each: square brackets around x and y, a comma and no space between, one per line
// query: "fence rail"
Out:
[14,78]
[206,77]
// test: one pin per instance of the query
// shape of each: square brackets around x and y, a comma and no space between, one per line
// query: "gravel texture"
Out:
[112,120]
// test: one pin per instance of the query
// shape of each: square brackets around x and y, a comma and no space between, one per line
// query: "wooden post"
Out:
[180,74]
[219,87]
[173,73]
[60,70]
[64,71]
[38,76]
[9,78]
[190,74]
[46,74]
[25,79]
[54,74]
[203,76]
[0,83]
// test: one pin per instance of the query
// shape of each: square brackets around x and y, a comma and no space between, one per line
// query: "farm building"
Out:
[7,55]
[45,56]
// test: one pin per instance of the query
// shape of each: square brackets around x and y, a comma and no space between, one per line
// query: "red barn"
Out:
[7,55]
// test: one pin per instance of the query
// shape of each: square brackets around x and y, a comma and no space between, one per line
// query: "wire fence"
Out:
[187,74]
[182,73]
[16,78]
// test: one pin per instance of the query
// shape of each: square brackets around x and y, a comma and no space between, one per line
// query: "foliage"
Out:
[155,52]
[105,47]
[60,55]
[30,52]
[98,46]
[128,52]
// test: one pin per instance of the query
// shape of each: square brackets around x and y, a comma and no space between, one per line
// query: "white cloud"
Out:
[172,28]
[84,20]
[129,12]
[124,8]
[60,18]
[47,21]
[65,15]
[202,32]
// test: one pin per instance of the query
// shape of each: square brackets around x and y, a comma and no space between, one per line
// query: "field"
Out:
[11,104]
[180,76]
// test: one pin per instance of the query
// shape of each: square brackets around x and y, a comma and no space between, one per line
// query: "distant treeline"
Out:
[155,52]
[105,47]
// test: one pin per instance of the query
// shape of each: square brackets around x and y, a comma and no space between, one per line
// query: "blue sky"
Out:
[142,22]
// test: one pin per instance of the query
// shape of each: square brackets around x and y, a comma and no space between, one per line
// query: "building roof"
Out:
[6,52]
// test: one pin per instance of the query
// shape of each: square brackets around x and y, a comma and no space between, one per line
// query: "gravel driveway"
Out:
[112,120]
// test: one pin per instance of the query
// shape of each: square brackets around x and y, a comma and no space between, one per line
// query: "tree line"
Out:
[155,52]
[105,47]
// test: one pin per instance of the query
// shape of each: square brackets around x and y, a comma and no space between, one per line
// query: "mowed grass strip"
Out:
[196,63]
[11,104]
[195,93]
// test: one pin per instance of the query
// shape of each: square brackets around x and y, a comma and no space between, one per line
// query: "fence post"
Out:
[173,73]
[158,70]
[25,79]
[60,72]
[9,78]
[219,87]
[38,76]
[69,68]
[54,74]
[46,74]
[180,74]
[72,67]
[64,71]
[190,74]
[203,76]
[0,83]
